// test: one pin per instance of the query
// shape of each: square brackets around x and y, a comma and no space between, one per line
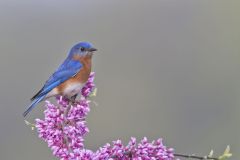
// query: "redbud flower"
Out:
[64,128]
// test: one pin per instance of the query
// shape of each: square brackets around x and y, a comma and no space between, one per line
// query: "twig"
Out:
[195,157]
[64,124]
[126,153]
[176,155]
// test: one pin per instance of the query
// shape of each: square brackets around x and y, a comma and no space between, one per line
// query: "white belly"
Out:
[72,89]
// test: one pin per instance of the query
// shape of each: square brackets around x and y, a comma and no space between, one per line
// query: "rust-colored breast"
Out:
[82,76]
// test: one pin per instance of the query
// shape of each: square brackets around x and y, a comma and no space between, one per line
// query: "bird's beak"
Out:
[92,49]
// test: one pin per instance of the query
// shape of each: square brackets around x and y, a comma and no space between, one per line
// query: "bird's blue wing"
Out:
[67,70]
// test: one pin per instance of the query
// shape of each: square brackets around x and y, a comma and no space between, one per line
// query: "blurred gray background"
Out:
[164,68]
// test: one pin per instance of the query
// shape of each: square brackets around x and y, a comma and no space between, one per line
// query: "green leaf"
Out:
[226,154]
[210,154]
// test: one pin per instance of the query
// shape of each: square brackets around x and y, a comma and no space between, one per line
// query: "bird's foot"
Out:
[73,100]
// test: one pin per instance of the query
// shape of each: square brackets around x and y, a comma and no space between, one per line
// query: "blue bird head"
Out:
[82,49]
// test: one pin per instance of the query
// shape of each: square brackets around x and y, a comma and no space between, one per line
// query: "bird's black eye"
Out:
[82,49]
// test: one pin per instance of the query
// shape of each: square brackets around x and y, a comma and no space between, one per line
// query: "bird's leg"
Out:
[71,102]
[73,99]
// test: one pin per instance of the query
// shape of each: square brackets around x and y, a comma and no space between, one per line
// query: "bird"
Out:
[70,76]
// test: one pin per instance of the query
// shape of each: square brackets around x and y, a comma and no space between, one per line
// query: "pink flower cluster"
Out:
[64,128]
[144,150]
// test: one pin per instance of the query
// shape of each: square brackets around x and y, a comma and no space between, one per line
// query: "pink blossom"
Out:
[64,128]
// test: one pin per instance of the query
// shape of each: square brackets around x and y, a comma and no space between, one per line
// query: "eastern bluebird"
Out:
[70,76]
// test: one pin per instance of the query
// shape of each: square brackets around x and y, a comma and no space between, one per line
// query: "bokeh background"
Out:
[164,68]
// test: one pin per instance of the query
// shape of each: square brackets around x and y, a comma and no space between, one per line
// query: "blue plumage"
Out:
[33,104]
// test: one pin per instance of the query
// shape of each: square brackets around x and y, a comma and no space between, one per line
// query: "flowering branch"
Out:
[224,156]
[64,128]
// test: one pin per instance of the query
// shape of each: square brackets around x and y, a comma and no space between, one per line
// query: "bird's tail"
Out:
[33,104]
